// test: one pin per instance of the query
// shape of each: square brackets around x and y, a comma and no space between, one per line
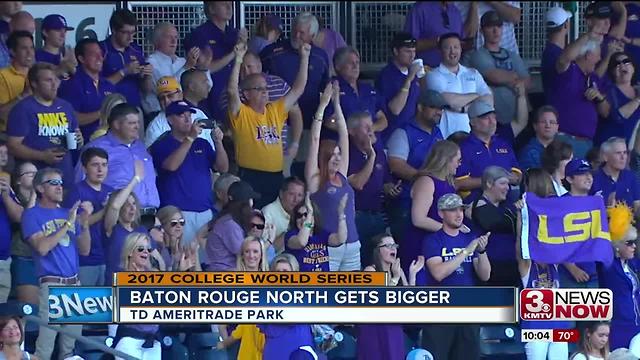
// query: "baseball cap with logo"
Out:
[490,18]
[479,108]
[557,16]
[167,84]
[55,22]
[577,167]
[178,107]
[599,9]
[450,202]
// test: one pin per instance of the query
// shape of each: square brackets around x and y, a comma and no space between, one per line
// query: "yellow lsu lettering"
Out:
[589,226]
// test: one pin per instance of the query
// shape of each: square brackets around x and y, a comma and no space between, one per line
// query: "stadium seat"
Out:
[500,342]
[347,349]
[88,351]
[175,350]
[202,346]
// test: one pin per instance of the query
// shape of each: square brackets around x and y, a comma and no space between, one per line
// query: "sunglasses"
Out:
[30,173]
[143,248]
[389,246]
[630,243]
[623,61]
[258,226]
[175,223]
[53,182]
[301,215]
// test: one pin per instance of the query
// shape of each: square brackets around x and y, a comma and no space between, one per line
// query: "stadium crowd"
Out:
[268,151]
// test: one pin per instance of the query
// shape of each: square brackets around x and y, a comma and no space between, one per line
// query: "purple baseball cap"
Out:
[55,22]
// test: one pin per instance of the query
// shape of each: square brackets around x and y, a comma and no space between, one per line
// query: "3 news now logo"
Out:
[71,304]
[566,304]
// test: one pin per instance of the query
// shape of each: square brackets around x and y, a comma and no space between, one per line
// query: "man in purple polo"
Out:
[57,235]
[54,32]
[184,163]
[370,178]
[92,189]
[482,149]
[124,61]
[577,96]
[426,21]
[222,38]
[38,124]
[123,145]
[397,83]
[87,89]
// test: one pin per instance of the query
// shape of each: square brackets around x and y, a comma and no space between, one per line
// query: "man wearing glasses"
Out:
[257,125]
[57,236]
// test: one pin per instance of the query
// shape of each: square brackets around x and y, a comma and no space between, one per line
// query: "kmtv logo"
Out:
[566,304]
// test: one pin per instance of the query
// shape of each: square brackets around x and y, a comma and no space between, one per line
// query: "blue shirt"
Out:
[530,154]
[5,229]
[626,290]
[187,187]
[617,125]
[315,255]
[86,96]
[626,187]
[84,192]
[389,82]
[550,56]
[371,197]
[115,60]
[281,59]
[440,244]
[221,42]
[633,29]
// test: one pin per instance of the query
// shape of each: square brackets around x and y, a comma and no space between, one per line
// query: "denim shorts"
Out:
[23,271]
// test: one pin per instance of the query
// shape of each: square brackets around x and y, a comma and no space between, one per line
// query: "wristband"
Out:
[68,224]
[308,225]
[482,252]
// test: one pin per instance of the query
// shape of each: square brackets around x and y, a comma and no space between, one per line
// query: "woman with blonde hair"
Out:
[433,180]
[108,104]
[252,256]
[11,338]
[175,255]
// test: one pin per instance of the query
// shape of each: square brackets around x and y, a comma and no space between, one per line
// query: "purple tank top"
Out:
[327,199]
[412,242]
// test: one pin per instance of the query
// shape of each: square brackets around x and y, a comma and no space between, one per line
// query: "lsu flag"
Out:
[565,229]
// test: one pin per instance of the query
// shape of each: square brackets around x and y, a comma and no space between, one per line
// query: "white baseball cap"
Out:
[556,16]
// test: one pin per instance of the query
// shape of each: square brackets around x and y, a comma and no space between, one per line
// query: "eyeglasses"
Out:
[301,215]
[175,223]
[257,88]
[630,243]
[445,19]
[157,227]
[30,173]
[624,61]
[53,182]
[389,246]
[143,248]
[543,122]
[258,226]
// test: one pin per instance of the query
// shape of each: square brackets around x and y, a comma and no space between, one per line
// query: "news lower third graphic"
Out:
[566,304]
[80,305]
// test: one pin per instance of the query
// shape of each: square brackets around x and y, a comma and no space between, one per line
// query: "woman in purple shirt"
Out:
[433,180]
[307,242]
[325,170]
[121,218]
[386,341]
[136,340]
[175,256]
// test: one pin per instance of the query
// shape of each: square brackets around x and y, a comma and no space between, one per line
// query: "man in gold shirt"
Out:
[13,78]
[257,125]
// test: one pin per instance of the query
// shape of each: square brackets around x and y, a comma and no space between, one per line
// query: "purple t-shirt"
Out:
[578,115]
[282,340]
[445,246]
[183,187]
[315,255]
[113,249]
[428,20]
[223,244]
[44,127]
[327,199]
[83,192]
[371,197]
[47,57]
[389,82]
[62,260]
[550,56]
[115,60]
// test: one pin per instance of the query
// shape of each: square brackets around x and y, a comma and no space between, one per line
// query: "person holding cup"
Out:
[39,124]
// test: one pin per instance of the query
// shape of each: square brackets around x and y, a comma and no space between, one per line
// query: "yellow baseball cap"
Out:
[167,84]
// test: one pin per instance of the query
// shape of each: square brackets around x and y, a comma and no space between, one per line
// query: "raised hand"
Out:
[336,92]
[305,50]
[240,49]
[326,95]
[73,212]
[473,245]
[243,35]
[196,129]
[416,265]
[395,268]
[132,68]
[483,241]
[413,70]
[192,57]
[87,210]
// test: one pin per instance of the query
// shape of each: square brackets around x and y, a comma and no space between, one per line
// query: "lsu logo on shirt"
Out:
[449,254]
[53,124]
[267,134]
[52,226]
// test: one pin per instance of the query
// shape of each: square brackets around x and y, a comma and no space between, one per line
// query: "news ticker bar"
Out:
[368,278]
[338,305]
[550,335]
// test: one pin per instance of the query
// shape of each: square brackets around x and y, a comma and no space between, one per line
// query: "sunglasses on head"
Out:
[389,246]
[301,215]
[175,223]
[53,182]
[143,248]
[630,242]
[258,226]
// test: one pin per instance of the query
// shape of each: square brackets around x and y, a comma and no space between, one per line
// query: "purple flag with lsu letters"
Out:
[565,229]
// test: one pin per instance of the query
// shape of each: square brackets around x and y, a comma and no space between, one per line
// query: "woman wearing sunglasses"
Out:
[622,277]
[176,256]
[138,340]
[121,218]
[378,341]
[623,97]
[308,242]
[264,232]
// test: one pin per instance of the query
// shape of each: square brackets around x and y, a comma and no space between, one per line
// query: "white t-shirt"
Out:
[582,357]
[466,81]
[159,125]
